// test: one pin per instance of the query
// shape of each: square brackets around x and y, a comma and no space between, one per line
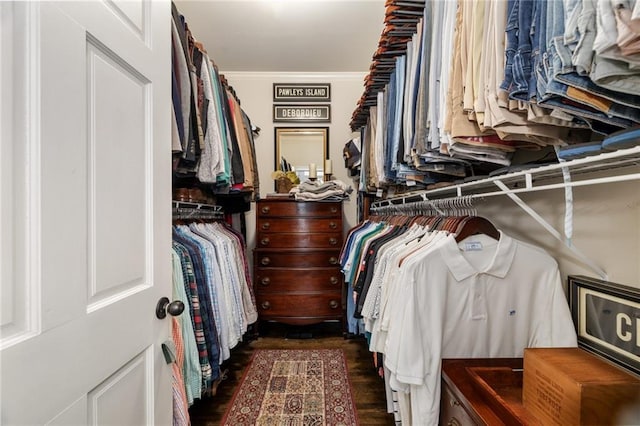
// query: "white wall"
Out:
[606,228]
[255,91]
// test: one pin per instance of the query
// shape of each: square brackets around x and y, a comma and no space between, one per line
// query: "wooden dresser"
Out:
[464,403]
[296,261]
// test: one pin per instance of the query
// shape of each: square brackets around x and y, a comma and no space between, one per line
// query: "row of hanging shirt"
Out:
[211,277]
[212,136]
[428,288]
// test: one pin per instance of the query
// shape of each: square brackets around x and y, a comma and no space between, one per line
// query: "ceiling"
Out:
[287,35]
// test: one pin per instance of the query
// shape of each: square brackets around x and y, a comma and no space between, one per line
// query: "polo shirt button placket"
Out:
[478,311]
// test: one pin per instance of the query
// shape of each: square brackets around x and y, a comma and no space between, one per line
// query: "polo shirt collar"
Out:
[461,269]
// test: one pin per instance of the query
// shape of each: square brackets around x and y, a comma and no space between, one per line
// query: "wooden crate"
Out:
[569,386]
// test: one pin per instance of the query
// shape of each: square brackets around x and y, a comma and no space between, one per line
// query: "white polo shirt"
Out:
[492,300]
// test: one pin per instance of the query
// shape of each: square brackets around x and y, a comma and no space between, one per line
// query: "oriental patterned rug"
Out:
[294,388]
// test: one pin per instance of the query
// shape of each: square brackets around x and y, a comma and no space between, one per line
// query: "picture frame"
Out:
[299,147]
[301,92]
[302,113]
[607,319]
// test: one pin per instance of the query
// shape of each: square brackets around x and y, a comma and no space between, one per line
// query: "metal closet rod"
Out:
[188,210]
[422,206]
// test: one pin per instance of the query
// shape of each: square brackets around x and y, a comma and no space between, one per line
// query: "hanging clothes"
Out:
[424,295]
[212,137]
[211,277]
[513,78]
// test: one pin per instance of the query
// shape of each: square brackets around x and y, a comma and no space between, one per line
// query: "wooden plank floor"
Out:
[368,387]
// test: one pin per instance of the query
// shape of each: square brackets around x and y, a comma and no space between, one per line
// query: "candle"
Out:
[313,173]
[328,168]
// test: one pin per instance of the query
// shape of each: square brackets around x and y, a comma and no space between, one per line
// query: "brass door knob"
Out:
[265,261]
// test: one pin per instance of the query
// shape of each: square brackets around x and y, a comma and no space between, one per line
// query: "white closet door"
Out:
[85,190]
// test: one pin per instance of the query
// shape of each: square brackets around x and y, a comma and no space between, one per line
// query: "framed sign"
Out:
[301,92]
[607,319]
[302,113]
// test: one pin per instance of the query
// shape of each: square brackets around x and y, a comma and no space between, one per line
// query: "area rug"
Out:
[290,387]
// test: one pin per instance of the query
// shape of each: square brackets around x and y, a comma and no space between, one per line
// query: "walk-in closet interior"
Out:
[320,212]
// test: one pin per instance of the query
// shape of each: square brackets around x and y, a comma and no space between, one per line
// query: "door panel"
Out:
[85,223]
[110,402]
[118,114]
[16,290]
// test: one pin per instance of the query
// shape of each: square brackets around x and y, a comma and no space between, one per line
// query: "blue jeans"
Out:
[522,57]
[541,61]
[570,92]
[390,115]
[511,44]
[401,62]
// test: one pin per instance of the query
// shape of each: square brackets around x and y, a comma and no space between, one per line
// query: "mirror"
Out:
[299,147]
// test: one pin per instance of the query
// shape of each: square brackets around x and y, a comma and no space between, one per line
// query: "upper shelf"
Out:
[616,166]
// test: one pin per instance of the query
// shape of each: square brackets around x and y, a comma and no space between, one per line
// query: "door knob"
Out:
[174,308]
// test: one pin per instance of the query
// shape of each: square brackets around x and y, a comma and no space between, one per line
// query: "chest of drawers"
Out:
[296,261]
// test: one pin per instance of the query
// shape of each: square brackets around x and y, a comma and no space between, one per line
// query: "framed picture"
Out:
[301,92]
[607,319]
[302,113]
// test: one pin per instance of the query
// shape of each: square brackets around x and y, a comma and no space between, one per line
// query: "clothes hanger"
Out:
[472,225]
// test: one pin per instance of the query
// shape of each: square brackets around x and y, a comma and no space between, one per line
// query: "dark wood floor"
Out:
[368,387]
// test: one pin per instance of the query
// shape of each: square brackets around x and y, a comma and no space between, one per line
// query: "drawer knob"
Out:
[264,241]
[265,281]
[333,304]
[333,260]
[266,305]
[333,225]
[333,241]
[334,210]
[266,226]
[333,280]
[454,422]
[454,403]
[265,261]
[265,209]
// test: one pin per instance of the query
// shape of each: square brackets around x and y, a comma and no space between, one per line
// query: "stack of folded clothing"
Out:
[333,190]
[623,139]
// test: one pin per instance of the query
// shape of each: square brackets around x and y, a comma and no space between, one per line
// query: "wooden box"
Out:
[569,386]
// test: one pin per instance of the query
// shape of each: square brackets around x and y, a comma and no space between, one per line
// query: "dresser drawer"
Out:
[297,259]
[296,280]
[299,225]
[299,305]
[452,412]
[290,240]
[297,209]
